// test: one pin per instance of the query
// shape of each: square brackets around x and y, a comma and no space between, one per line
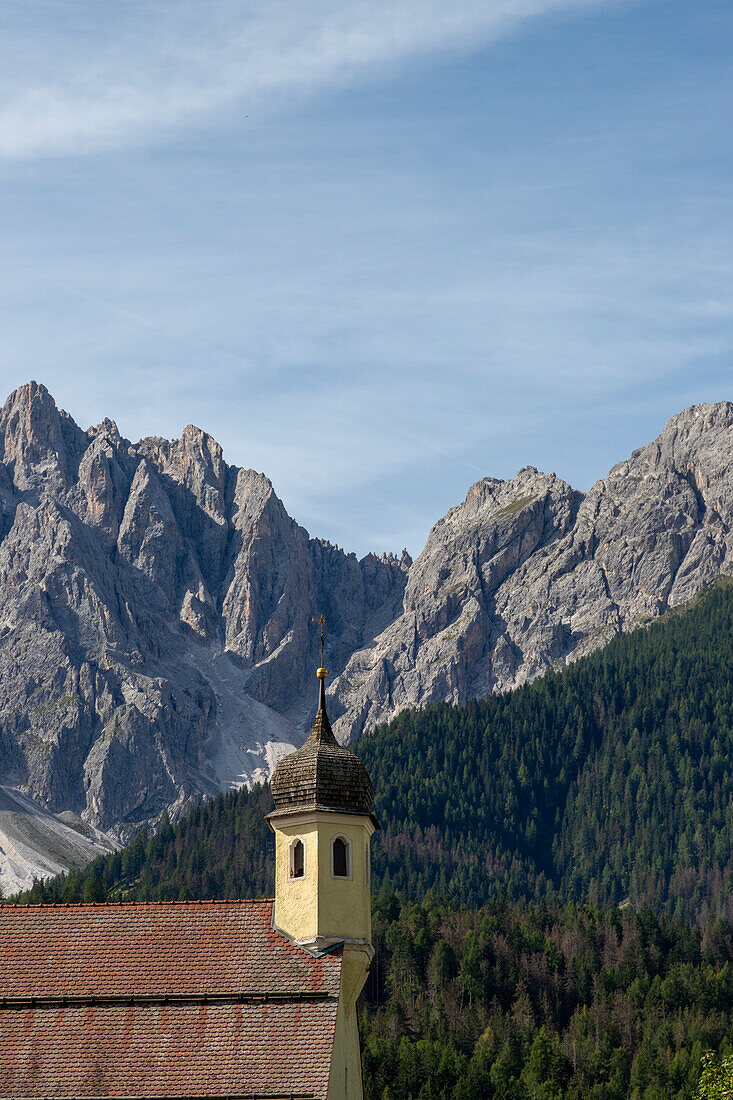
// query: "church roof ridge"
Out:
[116,905]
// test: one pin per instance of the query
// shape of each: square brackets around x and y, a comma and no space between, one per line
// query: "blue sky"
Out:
[377,250]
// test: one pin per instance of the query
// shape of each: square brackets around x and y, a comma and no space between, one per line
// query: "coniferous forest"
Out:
[552,882]
[607,780]
[541,1000]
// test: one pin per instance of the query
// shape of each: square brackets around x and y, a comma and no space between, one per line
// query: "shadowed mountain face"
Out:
[155,603]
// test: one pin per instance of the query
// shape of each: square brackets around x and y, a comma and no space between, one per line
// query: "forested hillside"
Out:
[610,778]
[221,850]
[541,1002]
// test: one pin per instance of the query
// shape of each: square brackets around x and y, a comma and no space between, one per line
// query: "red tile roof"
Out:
[161,1000]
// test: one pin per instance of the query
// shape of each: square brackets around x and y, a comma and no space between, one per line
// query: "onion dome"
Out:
[322,775]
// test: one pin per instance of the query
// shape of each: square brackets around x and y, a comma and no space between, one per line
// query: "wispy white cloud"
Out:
[79,76]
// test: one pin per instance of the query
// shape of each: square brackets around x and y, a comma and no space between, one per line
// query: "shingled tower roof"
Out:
[322,775]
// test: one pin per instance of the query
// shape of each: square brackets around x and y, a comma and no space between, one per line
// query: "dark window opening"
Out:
[298,859]
[340,858]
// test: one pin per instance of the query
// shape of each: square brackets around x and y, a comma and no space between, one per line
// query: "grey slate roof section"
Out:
[322,774]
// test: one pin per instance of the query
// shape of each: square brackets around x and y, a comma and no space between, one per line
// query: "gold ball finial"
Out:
[321,674]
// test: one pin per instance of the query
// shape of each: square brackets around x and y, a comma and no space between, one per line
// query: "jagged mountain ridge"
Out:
[530,572]
[155,602]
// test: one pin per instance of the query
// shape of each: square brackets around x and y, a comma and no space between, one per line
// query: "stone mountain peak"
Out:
[155,602]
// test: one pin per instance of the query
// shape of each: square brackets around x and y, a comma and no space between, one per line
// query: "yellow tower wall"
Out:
[345,1082]
[296,902]
[319,907]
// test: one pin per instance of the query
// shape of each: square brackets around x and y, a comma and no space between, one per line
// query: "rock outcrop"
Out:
[156,642]
[528,573]
[36,844]
[155,606]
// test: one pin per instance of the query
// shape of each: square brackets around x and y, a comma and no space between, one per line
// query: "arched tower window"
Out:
[297,858]
[341,857]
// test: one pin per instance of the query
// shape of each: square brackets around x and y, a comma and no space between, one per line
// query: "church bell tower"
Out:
[322,822]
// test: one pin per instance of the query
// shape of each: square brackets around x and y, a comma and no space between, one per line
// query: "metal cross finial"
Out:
[322,620]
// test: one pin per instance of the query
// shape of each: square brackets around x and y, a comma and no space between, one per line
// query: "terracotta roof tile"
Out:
[189,947]
[166,1051]
[186,951]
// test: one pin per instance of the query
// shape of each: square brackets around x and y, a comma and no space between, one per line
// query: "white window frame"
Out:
[291,853]
[349,858]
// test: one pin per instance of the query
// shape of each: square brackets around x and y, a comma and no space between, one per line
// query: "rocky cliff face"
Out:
[155,603]
[528,573]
